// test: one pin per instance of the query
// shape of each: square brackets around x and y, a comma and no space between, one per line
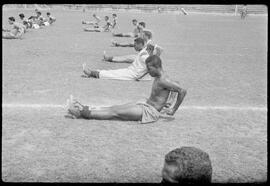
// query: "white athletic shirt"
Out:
[139,66]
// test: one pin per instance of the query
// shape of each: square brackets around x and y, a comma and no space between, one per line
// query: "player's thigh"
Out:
[130,111]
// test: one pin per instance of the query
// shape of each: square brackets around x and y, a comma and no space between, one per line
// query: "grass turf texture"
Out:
[220,60]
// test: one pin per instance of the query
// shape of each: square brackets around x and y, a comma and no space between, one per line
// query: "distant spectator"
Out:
[187,165]
[244,12]
[114,22]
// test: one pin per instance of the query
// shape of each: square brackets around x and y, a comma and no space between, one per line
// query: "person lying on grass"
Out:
[144,112]
[105,28]
[16,32]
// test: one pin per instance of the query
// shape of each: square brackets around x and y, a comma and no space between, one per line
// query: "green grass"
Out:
[220,60]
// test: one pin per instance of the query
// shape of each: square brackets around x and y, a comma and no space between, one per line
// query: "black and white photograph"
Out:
[134,93]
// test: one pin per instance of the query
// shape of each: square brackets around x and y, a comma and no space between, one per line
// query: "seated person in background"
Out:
[40,19]
[105,28]
[16,32]
[187,165]
[37,21]
[50,19]
[145,111]
[146,36]
[26,22]
[129,34]
[95,23]
[134,72]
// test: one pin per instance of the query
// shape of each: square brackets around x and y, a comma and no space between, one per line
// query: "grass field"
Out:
[220,60]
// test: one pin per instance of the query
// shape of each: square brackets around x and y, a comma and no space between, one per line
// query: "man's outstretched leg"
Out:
[127,112]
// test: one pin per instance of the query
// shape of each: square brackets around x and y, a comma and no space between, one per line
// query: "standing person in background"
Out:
[244,12]
[114,21]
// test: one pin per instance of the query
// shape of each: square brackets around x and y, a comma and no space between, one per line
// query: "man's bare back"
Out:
[161,88]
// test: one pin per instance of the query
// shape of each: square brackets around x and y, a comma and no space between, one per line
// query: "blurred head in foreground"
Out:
[187,165]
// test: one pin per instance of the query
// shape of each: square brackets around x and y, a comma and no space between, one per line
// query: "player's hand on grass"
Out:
[168,111]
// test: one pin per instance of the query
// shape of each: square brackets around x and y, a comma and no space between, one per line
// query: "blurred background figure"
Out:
[244,12]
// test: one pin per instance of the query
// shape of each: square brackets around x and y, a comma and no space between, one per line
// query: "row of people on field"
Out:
[96,27]
[18,28]
[166,96]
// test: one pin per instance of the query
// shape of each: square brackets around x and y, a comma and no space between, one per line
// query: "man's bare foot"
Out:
[74,108]
[106,58]
[86,71]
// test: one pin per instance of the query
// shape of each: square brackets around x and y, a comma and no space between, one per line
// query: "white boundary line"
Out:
[40,106]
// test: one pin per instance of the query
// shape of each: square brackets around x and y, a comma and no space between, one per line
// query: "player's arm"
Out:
[175,87]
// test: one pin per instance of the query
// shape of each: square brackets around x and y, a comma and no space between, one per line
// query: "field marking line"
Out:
[14,105]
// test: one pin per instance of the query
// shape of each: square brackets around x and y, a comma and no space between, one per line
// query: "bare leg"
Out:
[127,112]
[123,34]
[91,30]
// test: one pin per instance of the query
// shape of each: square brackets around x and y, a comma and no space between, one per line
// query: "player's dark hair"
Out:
[154,60]
[11,18]
[107,17]
[134,20]
[194,165]
[21,15]
[39,12]
[139,40]
[142,23]
[148,33]
[114,14]
[48,13]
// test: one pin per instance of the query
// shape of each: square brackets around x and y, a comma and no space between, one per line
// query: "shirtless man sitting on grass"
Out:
[144,112]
